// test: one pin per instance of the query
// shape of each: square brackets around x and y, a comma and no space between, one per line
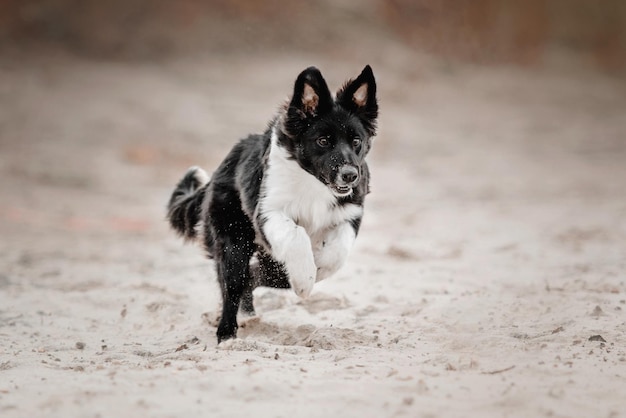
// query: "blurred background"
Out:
[494,235]
[487,31]
[101,100]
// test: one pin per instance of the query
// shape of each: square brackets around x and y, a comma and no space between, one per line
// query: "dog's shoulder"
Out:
[246,156]
[250,169]
[239,176]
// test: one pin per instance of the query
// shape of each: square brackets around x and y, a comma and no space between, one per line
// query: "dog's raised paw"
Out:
[302,276]
[303,286]
[304,291]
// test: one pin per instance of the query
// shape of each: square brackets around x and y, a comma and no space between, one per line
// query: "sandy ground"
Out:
[489,278]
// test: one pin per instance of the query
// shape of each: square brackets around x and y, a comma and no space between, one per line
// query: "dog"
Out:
[284,207]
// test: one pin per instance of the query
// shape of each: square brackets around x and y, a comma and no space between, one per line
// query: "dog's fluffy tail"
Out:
[185,206]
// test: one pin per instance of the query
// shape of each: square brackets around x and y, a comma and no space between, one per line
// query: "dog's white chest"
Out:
[303,198]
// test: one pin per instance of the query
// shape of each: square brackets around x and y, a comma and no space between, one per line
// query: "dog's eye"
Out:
[323,142]
[356,142]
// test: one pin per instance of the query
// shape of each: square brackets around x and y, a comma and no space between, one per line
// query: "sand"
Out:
[488,280]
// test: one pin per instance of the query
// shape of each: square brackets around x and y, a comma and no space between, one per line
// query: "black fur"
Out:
[328,138]
[184,205]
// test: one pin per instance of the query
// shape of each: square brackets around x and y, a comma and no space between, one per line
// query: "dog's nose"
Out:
[349,175]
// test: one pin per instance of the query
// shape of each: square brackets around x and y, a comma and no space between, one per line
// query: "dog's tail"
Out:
[184,209]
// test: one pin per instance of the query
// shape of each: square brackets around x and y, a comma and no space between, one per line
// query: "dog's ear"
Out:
[311,97]
[358,96]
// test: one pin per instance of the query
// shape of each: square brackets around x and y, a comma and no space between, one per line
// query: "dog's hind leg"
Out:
[247,306]
[268,272]
[233,272]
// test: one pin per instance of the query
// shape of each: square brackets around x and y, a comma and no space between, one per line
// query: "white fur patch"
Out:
[300,211]
[299,195]
[332,249]
[292,246]
[200,175]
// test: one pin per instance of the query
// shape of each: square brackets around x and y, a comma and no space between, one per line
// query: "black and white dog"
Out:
[283,209]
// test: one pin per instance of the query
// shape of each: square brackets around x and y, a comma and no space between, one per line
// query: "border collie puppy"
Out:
[283,208]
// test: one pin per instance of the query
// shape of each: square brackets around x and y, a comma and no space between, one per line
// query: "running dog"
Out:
[284,207]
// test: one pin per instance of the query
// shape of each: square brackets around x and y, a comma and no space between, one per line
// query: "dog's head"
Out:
[330,136]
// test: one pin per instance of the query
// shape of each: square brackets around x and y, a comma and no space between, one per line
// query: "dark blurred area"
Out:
[525,32]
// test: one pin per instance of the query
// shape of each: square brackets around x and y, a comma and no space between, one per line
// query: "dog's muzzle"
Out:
[349,175]
[347,178]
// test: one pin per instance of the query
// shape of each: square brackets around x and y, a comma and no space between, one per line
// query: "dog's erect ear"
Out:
[311,96]
[358,96]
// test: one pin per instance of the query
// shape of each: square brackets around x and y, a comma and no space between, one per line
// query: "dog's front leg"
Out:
[332,250]
[291,246]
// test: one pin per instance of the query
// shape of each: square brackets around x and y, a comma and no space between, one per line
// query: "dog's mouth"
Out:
[341,191]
